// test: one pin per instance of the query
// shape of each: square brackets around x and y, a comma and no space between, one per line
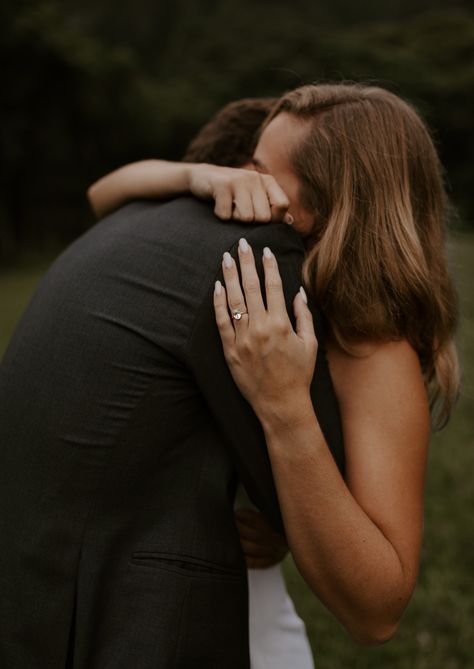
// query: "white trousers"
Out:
[278,637]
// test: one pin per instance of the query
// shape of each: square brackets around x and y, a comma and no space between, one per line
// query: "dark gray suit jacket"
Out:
[122,437]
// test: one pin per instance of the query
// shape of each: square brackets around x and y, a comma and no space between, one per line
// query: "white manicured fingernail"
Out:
[243,245]
[303,295]
[267,253]
[289,219]
[218,288]
[227,260]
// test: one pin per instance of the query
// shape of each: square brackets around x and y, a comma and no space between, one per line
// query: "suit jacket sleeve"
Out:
[240,428]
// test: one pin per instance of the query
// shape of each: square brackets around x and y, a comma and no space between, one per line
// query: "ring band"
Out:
[237,314]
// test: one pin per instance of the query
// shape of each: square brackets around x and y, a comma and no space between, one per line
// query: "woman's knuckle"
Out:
[260,182]
[273,283]
[281,325]
[237,305]
[232,357]
[246,345]
[261,333]
[251,286]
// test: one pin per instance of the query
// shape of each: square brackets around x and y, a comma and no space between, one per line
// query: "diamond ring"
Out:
[237,314]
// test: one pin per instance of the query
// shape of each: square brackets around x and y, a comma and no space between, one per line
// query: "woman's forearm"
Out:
[143,179]
[341,553]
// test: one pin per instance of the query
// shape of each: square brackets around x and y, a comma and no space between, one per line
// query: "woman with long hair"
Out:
[365,192]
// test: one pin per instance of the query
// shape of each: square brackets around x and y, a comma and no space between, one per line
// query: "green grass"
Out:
[437,630]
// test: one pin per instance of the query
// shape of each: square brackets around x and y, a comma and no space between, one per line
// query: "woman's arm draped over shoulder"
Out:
[154,179]
[355,541]
[241,194]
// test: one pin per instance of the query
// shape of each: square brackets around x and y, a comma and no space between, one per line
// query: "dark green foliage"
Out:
[87,87]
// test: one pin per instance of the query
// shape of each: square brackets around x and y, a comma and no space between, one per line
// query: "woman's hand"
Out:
[239,194]
[262,546]
[271,363]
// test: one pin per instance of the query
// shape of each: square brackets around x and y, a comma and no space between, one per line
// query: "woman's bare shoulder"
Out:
[371,353]
[375,369]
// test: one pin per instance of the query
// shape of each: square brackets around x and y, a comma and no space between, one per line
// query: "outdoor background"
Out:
[89,85]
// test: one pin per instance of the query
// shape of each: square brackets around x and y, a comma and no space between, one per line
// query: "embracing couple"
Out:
[170,364]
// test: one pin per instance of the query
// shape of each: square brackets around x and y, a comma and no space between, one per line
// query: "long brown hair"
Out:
[376,260]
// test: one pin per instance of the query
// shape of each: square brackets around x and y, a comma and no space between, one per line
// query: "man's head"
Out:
[229,138]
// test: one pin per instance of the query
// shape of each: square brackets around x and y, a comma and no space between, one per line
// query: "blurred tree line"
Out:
[90,85]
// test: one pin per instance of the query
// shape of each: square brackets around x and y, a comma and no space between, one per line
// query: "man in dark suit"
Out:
[122,438]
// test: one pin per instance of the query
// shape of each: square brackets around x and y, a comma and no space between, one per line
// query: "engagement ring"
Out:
[237,314]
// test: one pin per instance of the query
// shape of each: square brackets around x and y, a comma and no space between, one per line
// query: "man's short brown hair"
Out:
[229,138]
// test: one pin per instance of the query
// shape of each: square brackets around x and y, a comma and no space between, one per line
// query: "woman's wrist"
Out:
[169,178]
[188,174]
[199,179]
[286,414]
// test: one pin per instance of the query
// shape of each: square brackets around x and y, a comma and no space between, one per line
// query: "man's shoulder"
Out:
[196,218]
[184,208]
